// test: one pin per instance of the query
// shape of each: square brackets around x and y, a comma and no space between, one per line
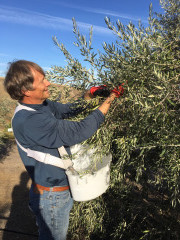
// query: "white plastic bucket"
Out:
[93,184]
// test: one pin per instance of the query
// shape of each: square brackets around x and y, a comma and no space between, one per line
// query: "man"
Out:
[40,126]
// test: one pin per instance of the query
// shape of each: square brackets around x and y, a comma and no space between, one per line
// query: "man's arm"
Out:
[105,105]
[73,109]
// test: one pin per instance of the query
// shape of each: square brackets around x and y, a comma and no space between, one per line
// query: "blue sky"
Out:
[27,27]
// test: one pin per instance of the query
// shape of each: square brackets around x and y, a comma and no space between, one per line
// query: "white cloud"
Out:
[104,12]
[21,16]
[4,55]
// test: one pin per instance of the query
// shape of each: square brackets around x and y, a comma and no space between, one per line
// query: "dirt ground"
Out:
[16,220]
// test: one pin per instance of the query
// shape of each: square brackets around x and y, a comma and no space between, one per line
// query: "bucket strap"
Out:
[63,162]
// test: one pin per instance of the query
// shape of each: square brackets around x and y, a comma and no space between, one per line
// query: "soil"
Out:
[16,219]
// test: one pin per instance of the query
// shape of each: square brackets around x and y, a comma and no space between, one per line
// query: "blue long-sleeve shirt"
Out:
[47,129]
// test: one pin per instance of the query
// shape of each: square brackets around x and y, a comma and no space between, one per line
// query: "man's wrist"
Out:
[111,98]
[107,103]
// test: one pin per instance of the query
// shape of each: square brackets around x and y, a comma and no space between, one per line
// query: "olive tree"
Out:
[141,129]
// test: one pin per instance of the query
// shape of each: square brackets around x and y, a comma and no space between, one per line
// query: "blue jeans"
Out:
[52,213]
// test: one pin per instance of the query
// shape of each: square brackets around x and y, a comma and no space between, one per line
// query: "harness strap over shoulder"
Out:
[63,162]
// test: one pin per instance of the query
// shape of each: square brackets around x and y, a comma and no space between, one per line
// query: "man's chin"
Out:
[47,94]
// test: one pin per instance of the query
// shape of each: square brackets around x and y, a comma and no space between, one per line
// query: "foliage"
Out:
[141,129]
[5,112]
[5,122]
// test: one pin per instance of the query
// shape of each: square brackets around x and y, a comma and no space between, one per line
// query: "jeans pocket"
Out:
[62,198]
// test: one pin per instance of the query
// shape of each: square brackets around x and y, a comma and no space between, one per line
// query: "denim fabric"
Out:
[52,213]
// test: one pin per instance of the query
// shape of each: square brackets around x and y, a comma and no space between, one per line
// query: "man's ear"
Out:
[26,93]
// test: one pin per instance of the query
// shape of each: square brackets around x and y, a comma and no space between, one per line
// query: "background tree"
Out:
[141,129]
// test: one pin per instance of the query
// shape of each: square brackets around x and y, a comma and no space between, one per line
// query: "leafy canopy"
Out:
[142,128]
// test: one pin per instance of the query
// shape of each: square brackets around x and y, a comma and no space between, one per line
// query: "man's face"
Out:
[40,85]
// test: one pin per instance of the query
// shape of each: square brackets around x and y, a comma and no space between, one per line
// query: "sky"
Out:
[27,27]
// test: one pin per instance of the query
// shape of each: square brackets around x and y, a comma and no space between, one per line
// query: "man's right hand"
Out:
[118,91]
[103,91]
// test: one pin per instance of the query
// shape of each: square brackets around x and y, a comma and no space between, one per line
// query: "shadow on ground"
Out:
[21,222]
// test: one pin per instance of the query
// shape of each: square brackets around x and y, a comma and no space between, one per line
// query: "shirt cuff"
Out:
[100,115]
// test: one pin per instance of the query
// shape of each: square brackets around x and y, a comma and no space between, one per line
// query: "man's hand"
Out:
[118,91]
[115,93]
[103,91]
